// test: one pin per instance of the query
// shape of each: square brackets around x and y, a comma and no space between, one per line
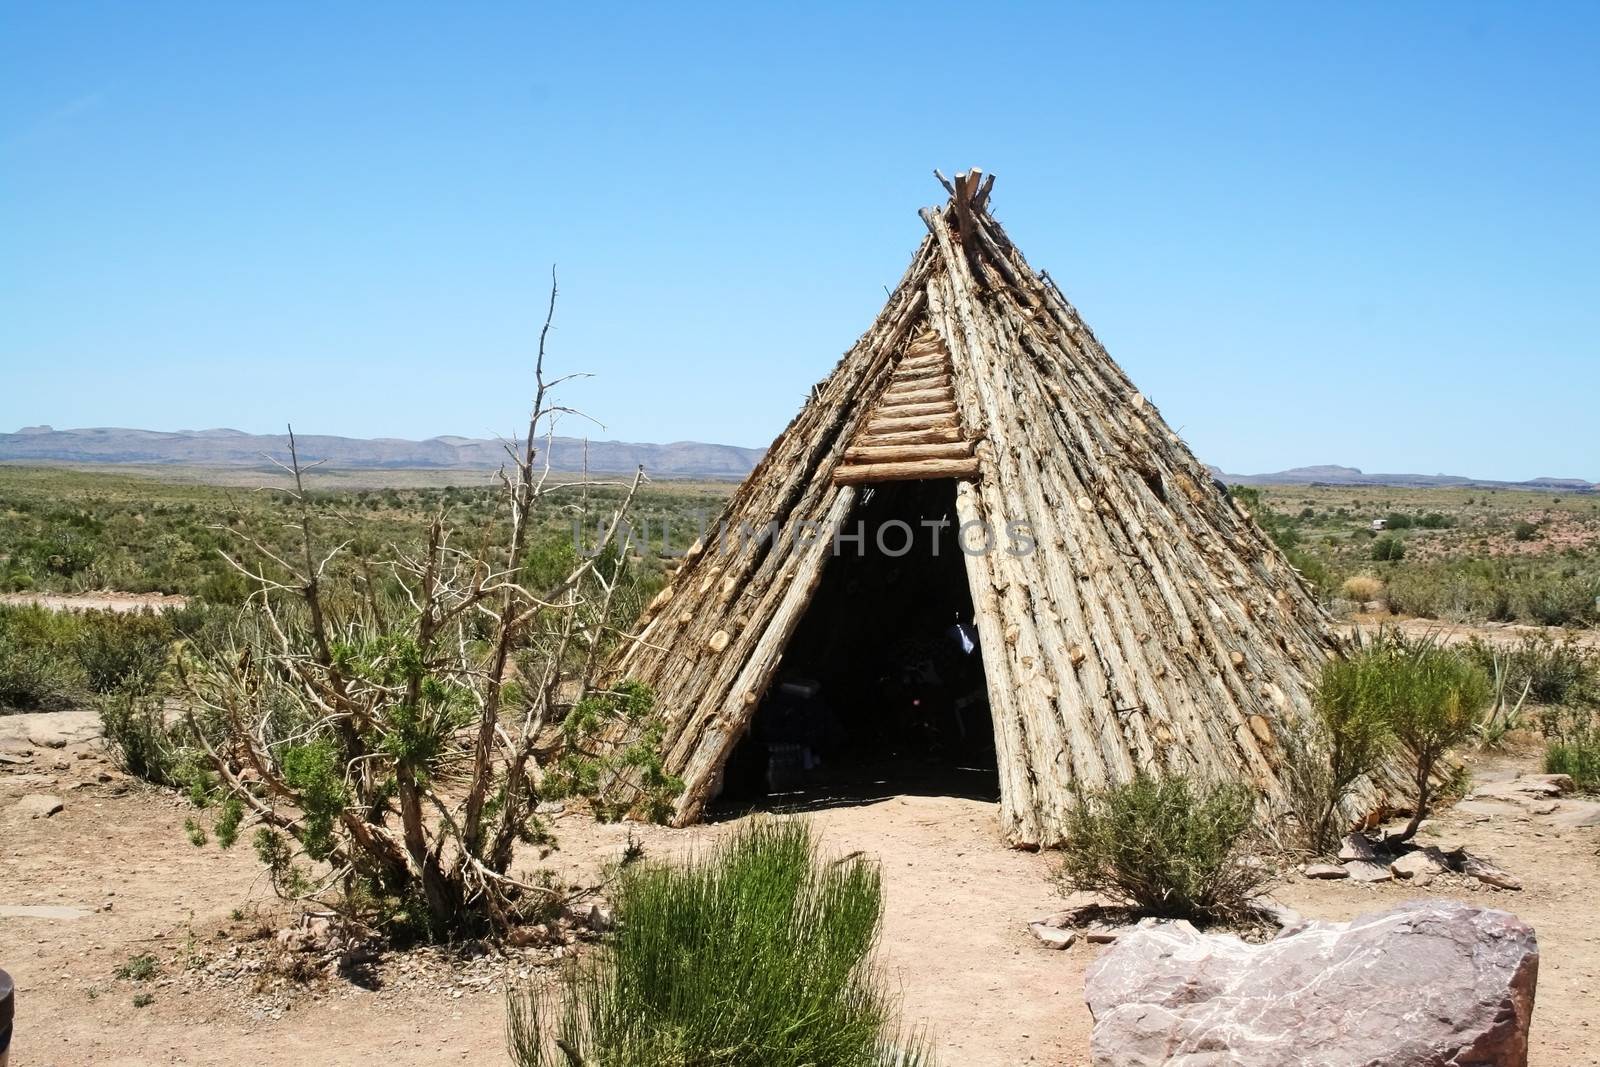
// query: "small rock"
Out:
[1053,937]
[1368,871]
[523,936]
[8,760]
[1287,919]
[1421,866]
[1543,807]
[1100,935]
[40,805]
[1487,873]
[1357,847]
[1325,870]
[1445,846]
[1578,813]
[600,918]
[40,911]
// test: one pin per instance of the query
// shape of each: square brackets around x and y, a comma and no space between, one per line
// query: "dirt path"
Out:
[105,600]
[954,937]
[1450,633]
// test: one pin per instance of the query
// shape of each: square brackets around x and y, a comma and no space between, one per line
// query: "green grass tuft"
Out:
[759,953]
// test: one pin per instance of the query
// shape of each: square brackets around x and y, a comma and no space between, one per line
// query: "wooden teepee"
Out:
[1153,627]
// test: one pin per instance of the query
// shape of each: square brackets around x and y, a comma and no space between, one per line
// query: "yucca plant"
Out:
[756,955]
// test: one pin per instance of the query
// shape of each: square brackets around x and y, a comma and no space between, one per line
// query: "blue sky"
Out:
[1357,233]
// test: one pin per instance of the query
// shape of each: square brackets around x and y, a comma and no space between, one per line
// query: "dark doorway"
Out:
[881,690]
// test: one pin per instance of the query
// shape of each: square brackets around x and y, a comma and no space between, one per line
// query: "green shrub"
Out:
[1552,592]
[1524,531]
[1433,696]
[758,954]
[1548,670]
[1397,521]
[1434,520]
[1347,741]
[34,671]
[1313,570]
[134,724]
[1388,548]
[122,651]
[1574,749]
[1562,599]
[139,968]
[1167,846]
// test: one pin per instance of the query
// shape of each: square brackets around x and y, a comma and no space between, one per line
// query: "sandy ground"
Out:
[106,600]
[955,939]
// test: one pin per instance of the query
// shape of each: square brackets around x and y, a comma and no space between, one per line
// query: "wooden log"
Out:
[931,373]
[982,198]
[946,406]
[906,452]
[915,394]
[919,470]
[1018,806]
[916,422]
[909,437]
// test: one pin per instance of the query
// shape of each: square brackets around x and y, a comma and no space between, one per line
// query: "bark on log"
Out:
[910,470]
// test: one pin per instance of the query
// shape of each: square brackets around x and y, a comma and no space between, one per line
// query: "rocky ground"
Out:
[105,903]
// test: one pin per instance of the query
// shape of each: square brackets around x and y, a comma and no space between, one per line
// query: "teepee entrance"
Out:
[881,690]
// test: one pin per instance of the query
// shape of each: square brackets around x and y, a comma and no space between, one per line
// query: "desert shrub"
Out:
[142,742]
[1549,592]
[1550,671]
[400,699]
[140,968]
[1362,587]
[1388,548]
[1168,846]
[1433,698]
[1435,520]
[122,651]
[1312,569]
[1573,748]
[1559,599]
[1348,739]
[1525,531]
[1396,520]
[34,670]
[756,954]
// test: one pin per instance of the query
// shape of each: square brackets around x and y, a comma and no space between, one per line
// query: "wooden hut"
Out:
[1149,625]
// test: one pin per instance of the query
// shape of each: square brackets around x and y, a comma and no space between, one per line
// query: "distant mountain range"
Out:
[1334,475]
[680,459]
[234,448]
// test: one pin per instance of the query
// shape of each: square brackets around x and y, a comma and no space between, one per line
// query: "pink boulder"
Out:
[1430,983]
